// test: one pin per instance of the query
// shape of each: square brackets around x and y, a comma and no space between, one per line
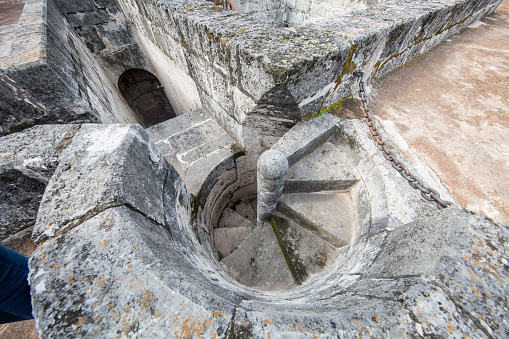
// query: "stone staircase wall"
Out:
[244,68]
[103,28]
[51,77]
[112,241]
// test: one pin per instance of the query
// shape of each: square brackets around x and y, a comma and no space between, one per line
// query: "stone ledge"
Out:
[293,72]
[27,162]
[101,168]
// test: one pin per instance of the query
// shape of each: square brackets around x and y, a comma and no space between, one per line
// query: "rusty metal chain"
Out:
[426,192]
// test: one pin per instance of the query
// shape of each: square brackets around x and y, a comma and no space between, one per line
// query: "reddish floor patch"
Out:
[451,106]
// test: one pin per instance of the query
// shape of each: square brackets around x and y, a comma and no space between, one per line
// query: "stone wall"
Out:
[106,33]
[284,13]
[51,77]
[303,12]
[246,70]
[112,40]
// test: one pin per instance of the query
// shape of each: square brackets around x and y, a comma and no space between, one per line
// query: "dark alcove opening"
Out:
[146,96]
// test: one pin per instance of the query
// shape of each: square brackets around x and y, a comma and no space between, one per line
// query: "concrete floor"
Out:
[450,109]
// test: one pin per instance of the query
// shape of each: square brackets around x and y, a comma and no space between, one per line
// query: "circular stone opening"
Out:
[312,227]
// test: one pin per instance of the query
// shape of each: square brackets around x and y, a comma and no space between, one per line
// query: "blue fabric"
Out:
[15,303]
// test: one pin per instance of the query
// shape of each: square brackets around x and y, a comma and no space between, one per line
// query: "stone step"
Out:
[231,219]
[192,138]
[328,214]
[193,175]
[304,137]
[239,263]
[324,169]
[194,144]
[227,239]
[312,227]
[245,209]
[178,124]
[307,252]
[271,271]
[214,143]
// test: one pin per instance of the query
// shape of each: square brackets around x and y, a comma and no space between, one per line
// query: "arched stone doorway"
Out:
[146,96]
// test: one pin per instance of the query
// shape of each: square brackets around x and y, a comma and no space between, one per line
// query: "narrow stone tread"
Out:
[270,271]
[245,209]
[229,218]
[239,263]
[227,239]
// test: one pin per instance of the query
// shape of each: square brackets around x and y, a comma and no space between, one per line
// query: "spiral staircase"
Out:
[313,220]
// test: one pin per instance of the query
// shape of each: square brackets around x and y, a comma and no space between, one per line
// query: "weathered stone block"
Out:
[105,162]
[109,268]
[27,161]
[306,136]
[20,197]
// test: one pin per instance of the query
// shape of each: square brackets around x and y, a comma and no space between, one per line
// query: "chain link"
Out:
[427,193]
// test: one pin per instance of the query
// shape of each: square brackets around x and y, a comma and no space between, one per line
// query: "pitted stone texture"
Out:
[27,161]
[19,201]
[102,168]
[122,274]
[34,152]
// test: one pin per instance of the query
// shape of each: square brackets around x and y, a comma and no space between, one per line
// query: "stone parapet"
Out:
[243,66]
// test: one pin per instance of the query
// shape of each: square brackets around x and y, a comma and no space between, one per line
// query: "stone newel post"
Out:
[271,176]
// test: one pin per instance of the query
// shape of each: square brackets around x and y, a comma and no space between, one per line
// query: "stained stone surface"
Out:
[308,253]
[49,76]
[125,249]
[130,264]
[113,266]
[270,270]
[96,172]
[119,271]
[27,161]
[243,67]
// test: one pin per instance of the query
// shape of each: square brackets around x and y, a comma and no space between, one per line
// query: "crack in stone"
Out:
[94,212]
